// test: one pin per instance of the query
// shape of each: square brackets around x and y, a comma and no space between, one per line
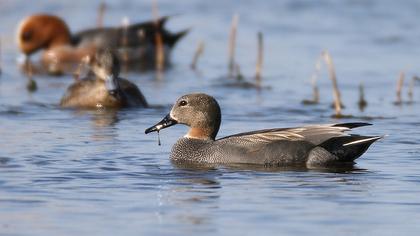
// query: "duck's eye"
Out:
[182,103]
[27,36]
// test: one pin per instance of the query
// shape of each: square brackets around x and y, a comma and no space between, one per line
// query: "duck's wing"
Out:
[316,144]
[314,134]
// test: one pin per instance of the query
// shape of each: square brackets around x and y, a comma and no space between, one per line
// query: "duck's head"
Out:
[199,111]
[42,32]
[106,67]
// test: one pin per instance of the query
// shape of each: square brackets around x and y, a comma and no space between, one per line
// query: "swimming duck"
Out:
[103,87]
[136,42]
[310,146]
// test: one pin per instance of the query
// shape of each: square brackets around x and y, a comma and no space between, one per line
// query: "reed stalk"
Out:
[411,89]
[362,101]
[198,52]
[314,81]
[31,85]
[160,53]
[232,45]
[333,77]
[400,83]
[82,65]
[260,59]
[101,13]
[1,70]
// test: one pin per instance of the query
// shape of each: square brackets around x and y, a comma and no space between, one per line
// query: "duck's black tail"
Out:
[147,31]
[173,38]
[348,148]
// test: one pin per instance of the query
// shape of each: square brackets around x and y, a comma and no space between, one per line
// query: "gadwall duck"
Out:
[313,145]
[103,87]
[136,42]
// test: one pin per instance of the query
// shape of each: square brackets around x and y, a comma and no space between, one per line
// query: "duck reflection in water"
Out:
[103,123]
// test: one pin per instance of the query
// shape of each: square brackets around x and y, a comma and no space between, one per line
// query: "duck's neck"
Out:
[206,130]
[59,39]
[201,133]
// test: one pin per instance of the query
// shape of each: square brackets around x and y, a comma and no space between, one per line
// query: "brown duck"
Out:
[103,87]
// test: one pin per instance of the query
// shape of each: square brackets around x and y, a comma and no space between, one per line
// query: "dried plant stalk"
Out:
[362,101]
[0,58]
[260,59]
[238,73]
[232,44]
[198,52]
[160,53]
[85,60]
[336,91]
[411,89]
[400,84]
[101,13]
[31,86]
[124,42]
[314,80]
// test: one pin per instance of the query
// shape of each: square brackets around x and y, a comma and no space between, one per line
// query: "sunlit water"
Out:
[66,172]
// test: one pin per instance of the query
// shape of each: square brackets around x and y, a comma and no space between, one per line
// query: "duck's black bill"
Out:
[165,123]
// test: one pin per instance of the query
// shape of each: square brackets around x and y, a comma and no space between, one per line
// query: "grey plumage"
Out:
[315,145]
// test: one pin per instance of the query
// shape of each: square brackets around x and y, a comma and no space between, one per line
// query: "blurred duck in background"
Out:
[103,88]
[135,44]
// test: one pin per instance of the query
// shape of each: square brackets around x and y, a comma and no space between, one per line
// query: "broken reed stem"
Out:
[336,91]
[361,92]
[411,88]
[0,58]
[124,42]
[160,53]
[125,23]
[29,71]
[160,56]
[400,84]
[198,52]
[260,59]
[85,60]
[314,80]
[362,101]
[238,72]
[155,11]
[316,94]
[76,74]
[101,13]
[31,86]
[232,44]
